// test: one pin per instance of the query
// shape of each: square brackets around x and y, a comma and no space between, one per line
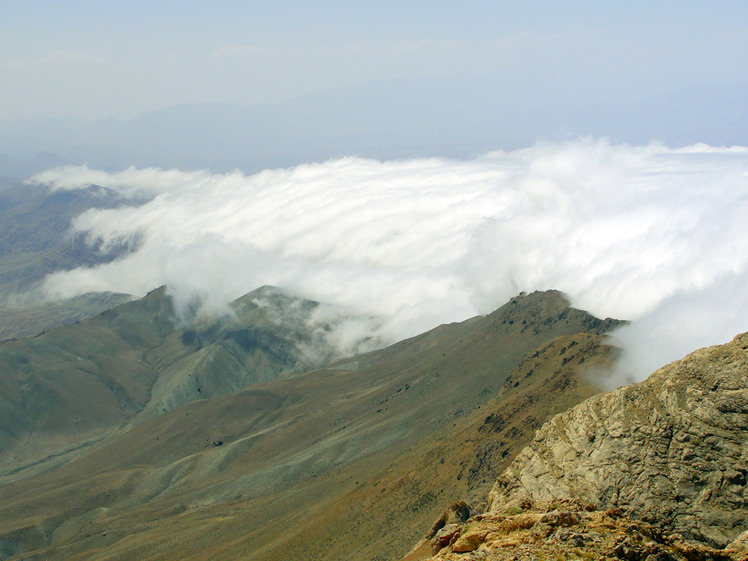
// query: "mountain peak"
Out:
[540,310]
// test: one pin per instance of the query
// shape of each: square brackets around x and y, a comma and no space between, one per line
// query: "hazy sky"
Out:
[123,58]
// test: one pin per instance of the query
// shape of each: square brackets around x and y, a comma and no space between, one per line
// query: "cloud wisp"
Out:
[651,234]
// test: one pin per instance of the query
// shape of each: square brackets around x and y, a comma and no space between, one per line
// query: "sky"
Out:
[124,58]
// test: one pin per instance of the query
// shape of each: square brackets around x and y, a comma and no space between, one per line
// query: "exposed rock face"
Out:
[671,451]
[565,530]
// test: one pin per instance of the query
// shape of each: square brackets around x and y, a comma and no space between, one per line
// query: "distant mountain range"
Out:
[389,120]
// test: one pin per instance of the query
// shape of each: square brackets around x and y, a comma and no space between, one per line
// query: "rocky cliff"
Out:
[653,469]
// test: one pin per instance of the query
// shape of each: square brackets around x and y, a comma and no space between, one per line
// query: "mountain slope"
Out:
[285,469]
[34,228]
[403,498]
[73,385]
[267,335]
[652,470]
[672,451]
[28,318]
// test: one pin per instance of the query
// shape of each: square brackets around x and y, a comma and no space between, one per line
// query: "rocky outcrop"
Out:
[671,451]
[565,530]
[652,471]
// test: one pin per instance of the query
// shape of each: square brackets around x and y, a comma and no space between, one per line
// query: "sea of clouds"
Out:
[651,234]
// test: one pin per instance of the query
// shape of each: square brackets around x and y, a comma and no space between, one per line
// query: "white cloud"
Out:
[130,182]
[644,233]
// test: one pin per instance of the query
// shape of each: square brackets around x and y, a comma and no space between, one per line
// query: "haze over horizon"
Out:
[123,59]
[423,161]
[275,84]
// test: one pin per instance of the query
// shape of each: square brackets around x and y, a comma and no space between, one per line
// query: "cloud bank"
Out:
[647,233]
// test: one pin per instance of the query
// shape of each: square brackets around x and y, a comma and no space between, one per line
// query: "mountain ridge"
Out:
[277,469]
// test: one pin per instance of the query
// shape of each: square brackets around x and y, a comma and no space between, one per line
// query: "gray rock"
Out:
[672,450]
